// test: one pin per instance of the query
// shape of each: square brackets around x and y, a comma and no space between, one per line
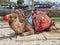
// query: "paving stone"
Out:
[8,37]
[1,22]
[57,24]
[51,35]
[9,42]
[2,43]
[42,42]
[4,26]
[6,33]
[30,38]
[38,42]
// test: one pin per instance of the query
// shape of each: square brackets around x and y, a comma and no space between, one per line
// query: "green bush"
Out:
[11,3]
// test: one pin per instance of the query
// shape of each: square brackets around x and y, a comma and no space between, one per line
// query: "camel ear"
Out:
[16,11]
[25,12]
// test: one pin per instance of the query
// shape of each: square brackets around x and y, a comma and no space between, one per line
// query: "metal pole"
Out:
[32,5]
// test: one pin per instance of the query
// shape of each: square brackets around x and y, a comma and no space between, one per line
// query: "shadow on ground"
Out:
[12,35]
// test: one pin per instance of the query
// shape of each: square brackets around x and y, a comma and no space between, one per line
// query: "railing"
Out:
[51,12]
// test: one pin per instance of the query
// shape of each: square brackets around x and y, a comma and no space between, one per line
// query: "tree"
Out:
[48,2]
[36,2]
[20,2]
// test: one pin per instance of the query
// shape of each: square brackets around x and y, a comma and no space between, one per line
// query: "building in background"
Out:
[4,1]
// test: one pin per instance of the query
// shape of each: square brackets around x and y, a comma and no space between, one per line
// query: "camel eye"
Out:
[10,17]
[15,17]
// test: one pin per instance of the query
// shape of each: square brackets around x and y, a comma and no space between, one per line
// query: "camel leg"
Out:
[29,30]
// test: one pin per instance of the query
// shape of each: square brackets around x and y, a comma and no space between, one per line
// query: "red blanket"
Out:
[41,20]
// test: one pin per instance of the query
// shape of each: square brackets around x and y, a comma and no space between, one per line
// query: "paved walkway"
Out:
[8,37]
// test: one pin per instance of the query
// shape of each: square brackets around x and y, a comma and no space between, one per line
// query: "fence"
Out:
[51,12]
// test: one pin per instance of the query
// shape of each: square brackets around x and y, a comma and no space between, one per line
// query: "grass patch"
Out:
[56,19]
